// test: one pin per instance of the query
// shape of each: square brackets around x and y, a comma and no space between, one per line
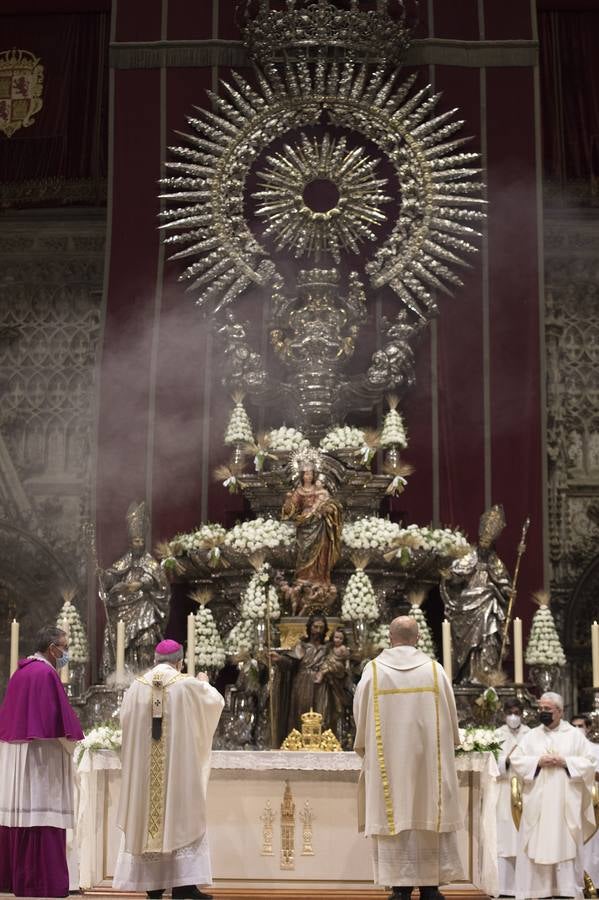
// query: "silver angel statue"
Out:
[476,594]
[136,592]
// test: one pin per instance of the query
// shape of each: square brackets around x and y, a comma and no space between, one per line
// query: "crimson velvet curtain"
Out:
[569,64]
[62,156]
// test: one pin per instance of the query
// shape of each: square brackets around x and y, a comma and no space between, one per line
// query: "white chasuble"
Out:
[162,807]
[557,814]
[591,848]
[406,732]
[507,836]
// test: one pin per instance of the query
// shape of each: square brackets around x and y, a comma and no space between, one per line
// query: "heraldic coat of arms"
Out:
[21,84]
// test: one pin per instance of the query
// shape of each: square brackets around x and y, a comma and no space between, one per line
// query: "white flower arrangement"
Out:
[209,649]
[425,637]
[479,740]
[103,737]
[394,432]
[544,647]
[239,429]
[377,636]
[207,535]
[343,438]
[260,595]
[442,541]
[286,440]
[369,533]
[359,599]
[241,639]
[69,619]
[260,534]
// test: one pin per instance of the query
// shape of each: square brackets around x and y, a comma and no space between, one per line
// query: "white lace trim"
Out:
[281,760]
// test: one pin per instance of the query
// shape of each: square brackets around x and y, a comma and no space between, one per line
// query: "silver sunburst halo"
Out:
[428,235]
[353,214]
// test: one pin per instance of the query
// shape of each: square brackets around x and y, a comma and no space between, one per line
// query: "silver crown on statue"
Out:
[317,29]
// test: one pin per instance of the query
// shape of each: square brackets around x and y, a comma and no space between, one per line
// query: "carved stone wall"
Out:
[51,269]
[572,336]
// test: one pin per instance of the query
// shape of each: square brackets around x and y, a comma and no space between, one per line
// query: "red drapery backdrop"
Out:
[474,416]
[66,144]
[569,63]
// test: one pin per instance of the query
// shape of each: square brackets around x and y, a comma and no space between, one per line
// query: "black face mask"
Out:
[546,718]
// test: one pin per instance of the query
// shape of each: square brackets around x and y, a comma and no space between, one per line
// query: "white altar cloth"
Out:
[325,781]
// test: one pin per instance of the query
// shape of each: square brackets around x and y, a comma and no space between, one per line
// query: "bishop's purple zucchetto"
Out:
[165,648]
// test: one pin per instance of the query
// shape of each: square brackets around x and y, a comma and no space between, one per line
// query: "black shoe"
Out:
[431,892]
[156,895]
[400,893]
[190,892]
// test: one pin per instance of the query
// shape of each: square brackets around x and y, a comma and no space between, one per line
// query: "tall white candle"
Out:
[595,649]
[446,632]
[64,671]
[518,657]
[120,652]
[14,646]
[191,644]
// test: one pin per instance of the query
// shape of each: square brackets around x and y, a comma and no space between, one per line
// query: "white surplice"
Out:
[406,730]
[507,836]
[591,848]
[557,812]
[162,806]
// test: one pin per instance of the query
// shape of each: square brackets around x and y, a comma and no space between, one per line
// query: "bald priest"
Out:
[168,721]
[406,731]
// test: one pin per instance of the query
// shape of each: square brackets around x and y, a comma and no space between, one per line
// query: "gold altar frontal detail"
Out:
[312,736]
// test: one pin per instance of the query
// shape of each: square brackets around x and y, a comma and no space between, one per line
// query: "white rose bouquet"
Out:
[359,600]
[204,537]
[239,429]
[286,440]
[370,533]
[544,646]
[241,639]
[425,637]
[394,432]
[260,534]
[103,737]
[69,619]
[343,438]
[260,596]
[377,636]
[442,542]
[479,740]
[209,649]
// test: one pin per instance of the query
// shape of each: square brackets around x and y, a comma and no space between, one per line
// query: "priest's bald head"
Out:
[403,631]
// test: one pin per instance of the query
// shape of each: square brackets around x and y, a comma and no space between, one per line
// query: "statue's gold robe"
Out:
[406,731]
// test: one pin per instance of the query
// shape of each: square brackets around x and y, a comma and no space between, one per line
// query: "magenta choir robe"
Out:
[38,729]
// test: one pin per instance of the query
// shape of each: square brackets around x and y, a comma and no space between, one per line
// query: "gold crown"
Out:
[311,719]
[313,29]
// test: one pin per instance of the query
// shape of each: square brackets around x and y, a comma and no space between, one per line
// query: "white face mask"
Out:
[513,721]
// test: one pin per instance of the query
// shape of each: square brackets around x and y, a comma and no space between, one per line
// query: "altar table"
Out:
[245,785]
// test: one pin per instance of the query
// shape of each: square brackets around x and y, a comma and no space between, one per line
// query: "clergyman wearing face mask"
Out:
[556,769]
[510,735]
[38,734]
